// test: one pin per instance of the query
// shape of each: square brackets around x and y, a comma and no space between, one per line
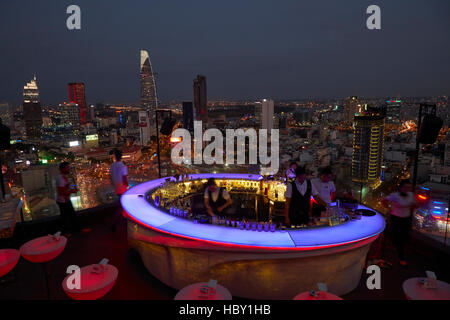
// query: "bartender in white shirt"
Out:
[326,189]
[298,199]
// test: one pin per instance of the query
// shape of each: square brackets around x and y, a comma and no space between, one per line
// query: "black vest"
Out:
[219,202]
[300,204]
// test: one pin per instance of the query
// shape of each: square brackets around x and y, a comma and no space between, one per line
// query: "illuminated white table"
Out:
[414,290]
[8,260]
[193,292]
[93,285]
[318,295]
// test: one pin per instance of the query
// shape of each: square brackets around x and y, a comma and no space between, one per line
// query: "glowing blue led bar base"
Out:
[146,214]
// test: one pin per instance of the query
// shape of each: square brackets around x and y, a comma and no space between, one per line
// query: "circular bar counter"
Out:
[251,264]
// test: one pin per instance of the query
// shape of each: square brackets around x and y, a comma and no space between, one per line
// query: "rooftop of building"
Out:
[134,282]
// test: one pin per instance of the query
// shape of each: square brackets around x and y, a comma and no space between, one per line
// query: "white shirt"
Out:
[324,188]
[215,194]
[401,206]
[301,188]
[117,171]
[62,181]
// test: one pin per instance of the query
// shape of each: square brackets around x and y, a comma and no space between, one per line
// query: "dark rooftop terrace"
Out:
[26,281]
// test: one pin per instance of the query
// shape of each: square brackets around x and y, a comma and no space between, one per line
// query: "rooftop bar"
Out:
[252,255]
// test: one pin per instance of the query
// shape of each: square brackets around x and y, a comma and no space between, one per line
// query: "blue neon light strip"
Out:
[142,211]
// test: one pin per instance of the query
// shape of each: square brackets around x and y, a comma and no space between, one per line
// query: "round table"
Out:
[414,290]
[320,295]
[92,285]
[43,249]
[192,292]
[8,260]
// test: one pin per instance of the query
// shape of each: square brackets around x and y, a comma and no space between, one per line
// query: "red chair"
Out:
[8,260]
[42,250]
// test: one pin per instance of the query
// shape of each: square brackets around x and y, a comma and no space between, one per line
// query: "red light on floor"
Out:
[421,197]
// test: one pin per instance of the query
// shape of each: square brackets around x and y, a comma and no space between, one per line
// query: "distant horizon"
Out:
[215,100]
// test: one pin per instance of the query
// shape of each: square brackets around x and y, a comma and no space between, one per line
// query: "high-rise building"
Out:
[393,111]
[149,99]
[282,121]
[91,113]
[6,115]
[76,95]
[70,116]
[40,179]
[188,116]
[200,98]
[264,113]
[32,111]
[144,128]
[351,107]
[447,150]
[368,142]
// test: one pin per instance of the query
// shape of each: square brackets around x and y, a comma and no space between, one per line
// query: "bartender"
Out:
[298,199]
[326,190]
[217,200]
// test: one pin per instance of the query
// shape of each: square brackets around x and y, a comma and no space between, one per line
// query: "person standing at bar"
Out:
[298,199]
[216,199]
[326,190]
[119,179]
[400,204]
[65,189]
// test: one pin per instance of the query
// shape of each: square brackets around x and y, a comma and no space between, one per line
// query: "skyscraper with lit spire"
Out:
[32,111]
[149,100]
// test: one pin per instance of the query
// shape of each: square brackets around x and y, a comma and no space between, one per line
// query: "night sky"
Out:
[247,49]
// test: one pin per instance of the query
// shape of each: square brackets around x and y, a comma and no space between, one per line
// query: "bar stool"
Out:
[96,280]
[321,294]
[204,291]
[42,250]
[8,260]
[316,295]
[414,289]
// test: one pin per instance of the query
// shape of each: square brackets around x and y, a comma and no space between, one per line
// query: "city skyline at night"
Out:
[336,55]
[281,150]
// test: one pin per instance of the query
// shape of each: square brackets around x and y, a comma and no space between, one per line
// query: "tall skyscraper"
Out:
[393,111]
[149,99]
[188,116]
[32,111]
[200,98]
[264,114]
[70,116]
[368,143]
[350,107]
[76,95]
